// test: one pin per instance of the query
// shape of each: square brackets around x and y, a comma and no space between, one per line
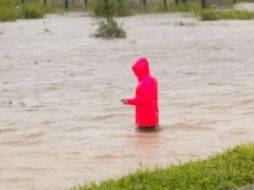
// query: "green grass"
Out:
[229,170]
[226,15]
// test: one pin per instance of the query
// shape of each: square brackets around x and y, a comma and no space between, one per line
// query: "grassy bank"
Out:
[232,169]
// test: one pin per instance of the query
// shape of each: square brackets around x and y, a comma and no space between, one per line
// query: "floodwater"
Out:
[245,6]
[62,122]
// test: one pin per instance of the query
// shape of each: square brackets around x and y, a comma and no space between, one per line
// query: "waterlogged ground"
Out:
[61,121]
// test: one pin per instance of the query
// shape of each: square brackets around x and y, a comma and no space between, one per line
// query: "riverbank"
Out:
[229,170]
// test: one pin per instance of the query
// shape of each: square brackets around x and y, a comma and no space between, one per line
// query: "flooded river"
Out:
[61,120]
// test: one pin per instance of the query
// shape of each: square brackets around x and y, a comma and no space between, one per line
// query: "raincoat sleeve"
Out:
[143,96]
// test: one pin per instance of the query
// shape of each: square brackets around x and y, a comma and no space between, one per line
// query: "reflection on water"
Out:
[61,119]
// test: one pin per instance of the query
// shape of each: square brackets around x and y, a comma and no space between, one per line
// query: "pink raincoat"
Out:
[146,98]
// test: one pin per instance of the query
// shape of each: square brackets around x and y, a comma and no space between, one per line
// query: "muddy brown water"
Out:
[62,122]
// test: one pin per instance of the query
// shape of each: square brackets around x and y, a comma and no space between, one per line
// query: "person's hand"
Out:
[124,101]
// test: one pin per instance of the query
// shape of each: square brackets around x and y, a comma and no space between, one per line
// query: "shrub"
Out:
[34,10]
[110,29]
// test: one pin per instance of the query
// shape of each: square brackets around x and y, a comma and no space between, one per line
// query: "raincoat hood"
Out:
[141,68]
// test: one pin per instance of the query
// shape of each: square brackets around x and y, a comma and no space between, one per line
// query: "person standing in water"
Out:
[146,98]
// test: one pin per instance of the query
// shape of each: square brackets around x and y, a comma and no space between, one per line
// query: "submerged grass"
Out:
[229,170]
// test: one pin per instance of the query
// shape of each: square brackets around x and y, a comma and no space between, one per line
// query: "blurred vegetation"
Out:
[8,13]
[106,8]
[226,15]
[10,10]
[34,10]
